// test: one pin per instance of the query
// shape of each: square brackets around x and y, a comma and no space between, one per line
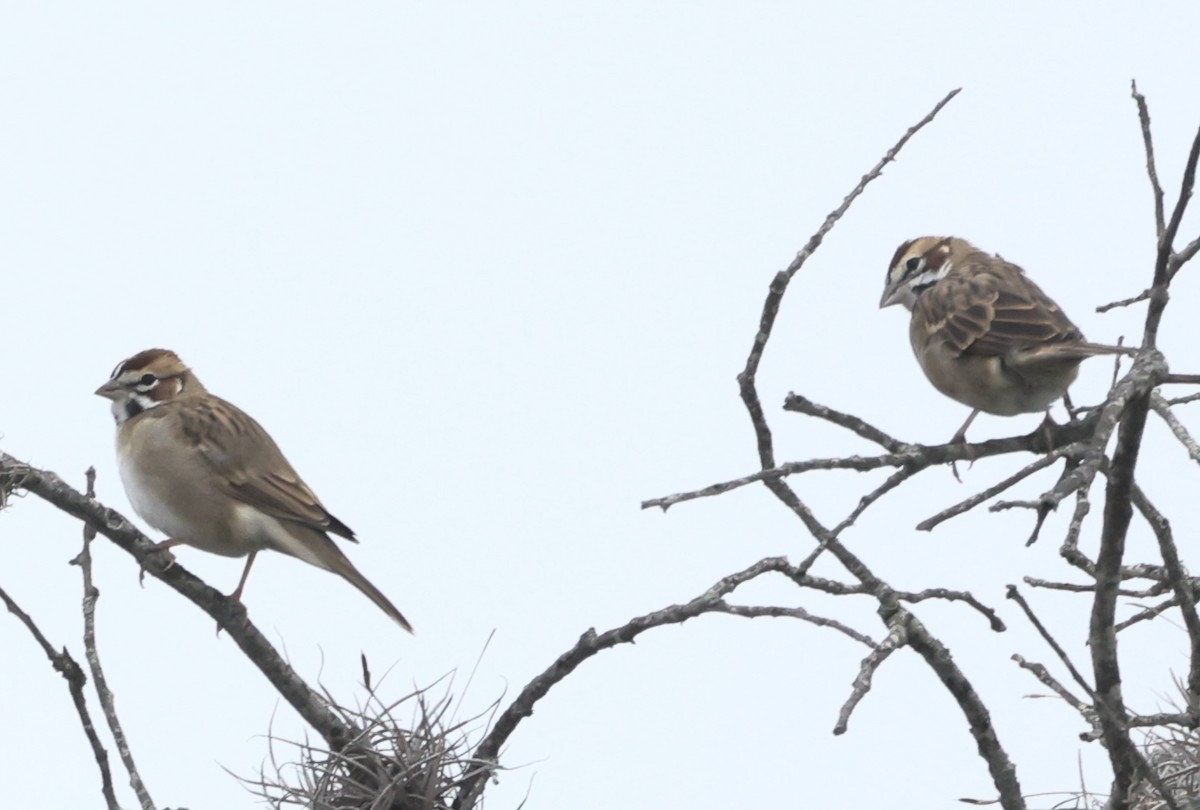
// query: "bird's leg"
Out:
[1048,426]
[1071,412]
[163,545]
[961,438]
[237,592]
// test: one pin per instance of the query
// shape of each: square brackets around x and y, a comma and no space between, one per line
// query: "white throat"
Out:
[922,282]
[128,407]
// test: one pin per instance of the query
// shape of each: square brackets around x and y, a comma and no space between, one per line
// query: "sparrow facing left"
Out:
[984,334]
[203,472]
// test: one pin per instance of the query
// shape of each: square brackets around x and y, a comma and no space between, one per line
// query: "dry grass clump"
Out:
[417,763]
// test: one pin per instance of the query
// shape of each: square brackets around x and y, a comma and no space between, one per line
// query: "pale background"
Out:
[487,273]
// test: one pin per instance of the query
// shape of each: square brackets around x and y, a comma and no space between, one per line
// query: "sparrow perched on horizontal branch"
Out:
[984,334]
[202,471]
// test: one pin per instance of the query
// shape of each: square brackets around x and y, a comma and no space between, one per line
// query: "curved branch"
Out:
[230,615]
[587,646]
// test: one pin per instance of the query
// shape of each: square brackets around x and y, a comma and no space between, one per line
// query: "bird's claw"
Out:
[162,548]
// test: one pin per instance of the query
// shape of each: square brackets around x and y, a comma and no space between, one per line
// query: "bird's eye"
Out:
[912,264]
[147,379]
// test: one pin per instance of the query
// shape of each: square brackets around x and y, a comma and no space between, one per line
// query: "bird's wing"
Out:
[251,467]
[994,310]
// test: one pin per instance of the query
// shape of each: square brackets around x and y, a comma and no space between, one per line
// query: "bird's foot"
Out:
[163,547]
[1047,428]
[239,607]
[960,438]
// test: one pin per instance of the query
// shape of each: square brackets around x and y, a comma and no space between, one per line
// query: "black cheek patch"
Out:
[132,408]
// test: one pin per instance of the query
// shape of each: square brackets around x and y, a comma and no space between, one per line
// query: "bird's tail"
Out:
[1075,352]
[1102,348]
[342,566]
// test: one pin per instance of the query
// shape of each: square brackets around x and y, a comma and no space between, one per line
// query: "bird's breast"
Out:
[169,486]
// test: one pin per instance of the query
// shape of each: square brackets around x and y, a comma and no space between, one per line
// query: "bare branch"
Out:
[1168,264]
[107,703]
[935,655]
[894,480]
[997,625]
[1160,407]
[970,503]
[1157,589]
[835,588]
[1162,719]
[760,611]
[798,404]
[913,457]
[866,672]
[1151,169]
[66,666]
[1132,405]
[1016,596]
[1102,638]
[1183,587]
[590,643]
[229,614]
[1184,256]
[1069,550]
[1042,674]
[1144,295]
[746,379]
[1146,614]
[1148,368]
[1004,773]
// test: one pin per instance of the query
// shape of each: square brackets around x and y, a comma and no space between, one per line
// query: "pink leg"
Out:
[961,438]
[237,592]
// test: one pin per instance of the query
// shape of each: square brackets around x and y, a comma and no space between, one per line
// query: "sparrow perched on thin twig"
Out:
[984,334]
[206,474]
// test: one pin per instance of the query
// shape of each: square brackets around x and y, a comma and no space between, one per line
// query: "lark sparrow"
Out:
[207,475]
[984,334]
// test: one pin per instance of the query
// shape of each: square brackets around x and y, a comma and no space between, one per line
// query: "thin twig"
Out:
[1148,368]
[1016,596]
[1180,582]
[588,645]
[970,503]
[107,701]
[1183,400]
[799,404]
[1151,168]
[914,457]
[1157,589]
[1042,674]
[66,666]
[1069,550]
[747,378]
[1170,263]
[1146,614]
[866,672]
[1144,295]
[771,611]
[894,480]
[1182,257]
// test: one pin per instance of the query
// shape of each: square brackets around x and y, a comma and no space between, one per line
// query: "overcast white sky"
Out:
[487,273]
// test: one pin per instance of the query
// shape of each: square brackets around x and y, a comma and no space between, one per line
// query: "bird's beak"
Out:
[892,295]
[110,390]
